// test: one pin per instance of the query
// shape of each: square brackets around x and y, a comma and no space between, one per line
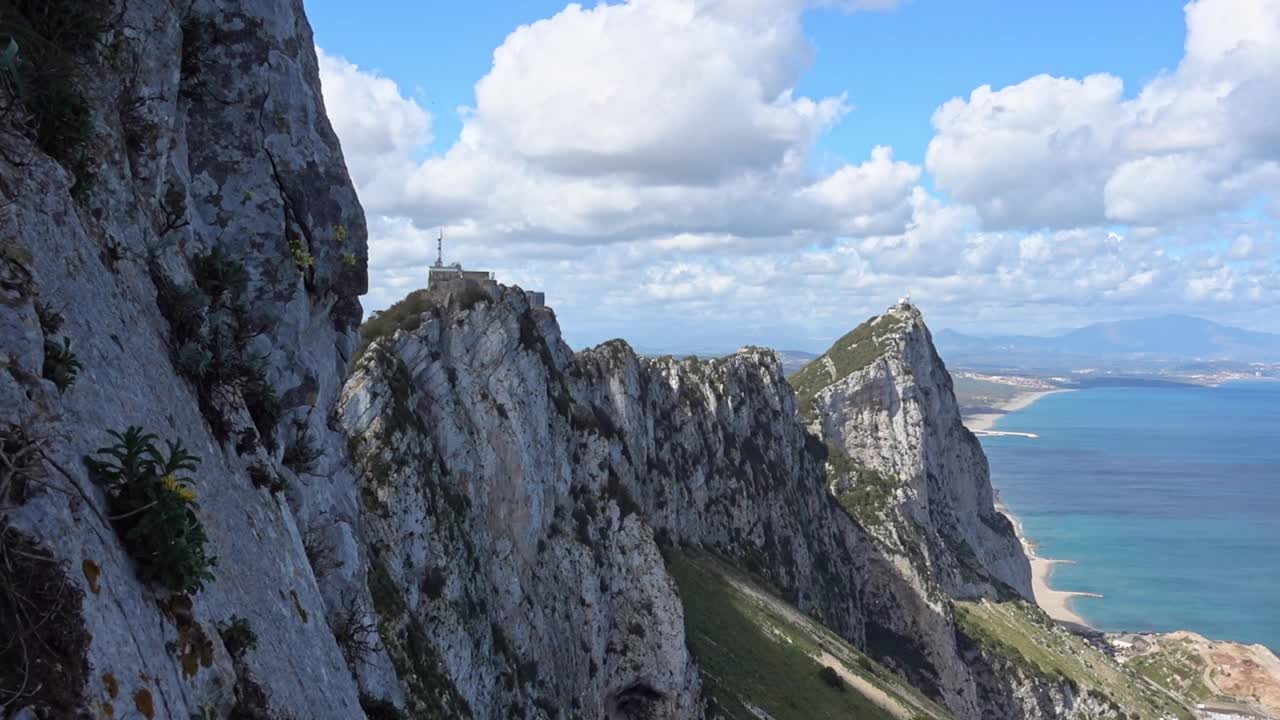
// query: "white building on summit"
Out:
[453,277]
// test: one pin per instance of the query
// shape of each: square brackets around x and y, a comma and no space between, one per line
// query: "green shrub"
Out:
[434,583]
[261,400]
[222,278]
[831,677]
[469,295]
[404,315]
[870,497]
[851,353]
[211,327]
[60,364]
[386,594]
[298,248]
[302,452]
[621,495]
[56,41]
[153,508]
[238,636]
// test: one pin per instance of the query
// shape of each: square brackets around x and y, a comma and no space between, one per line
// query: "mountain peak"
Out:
[901,461]
[853,352]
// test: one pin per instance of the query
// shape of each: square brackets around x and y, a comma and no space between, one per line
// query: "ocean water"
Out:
[1166,498]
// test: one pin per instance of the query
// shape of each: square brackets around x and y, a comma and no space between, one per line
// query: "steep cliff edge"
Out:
[182,252]
[903,462]
[517,495]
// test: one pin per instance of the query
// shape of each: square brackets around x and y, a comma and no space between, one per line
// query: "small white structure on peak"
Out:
[441,276]
[904,301]
[453,277]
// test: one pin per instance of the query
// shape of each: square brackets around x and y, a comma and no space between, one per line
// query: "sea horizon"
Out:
[1162,500]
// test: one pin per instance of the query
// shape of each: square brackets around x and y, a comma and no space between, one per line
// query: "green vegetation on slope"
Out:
[403,315]
[48,51]
[1179,668]
[871,493]
[756,651]
[1024,634]
[407,314]
[851,353]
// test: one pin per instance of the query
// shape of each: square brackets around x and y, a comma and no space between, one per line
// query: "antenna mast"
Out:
[440,249]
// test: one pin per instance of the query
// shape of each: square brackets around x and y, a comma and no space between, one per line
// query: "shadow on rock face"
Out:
[637,702]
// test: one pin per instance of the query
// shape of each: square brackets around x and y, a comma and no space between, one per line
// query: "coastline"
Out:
[1057,603]
[981,424]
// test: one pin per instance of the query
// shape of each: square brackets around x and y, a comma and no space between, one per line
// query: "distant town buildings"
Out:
[450,278]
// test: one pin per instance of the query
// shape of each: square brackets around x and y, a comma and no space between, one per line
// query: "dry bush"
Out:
[356,634]
[43,642]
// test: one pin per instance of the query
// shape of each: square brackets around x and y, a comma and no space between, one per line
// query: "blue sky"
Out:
[897,66]
[674,171]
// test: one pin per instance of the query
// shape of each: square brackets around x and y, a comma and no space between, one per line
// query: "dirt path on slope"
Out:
[866,688]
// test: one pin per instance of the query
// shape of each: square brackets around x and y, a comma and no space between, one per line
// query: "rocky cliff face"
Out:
[903,462]
[499,471]
[179,128]
[516,495]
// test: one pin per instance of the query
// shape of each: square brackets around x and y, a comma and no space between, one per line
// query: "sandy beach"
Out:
[981,423]
[1057,603]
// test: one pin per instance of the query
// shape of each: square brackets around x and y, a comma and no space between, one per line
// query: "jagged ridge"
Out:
[498,468]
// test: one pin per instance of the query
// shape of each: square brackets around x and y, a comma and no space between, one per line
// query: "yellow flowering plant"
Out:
[176,486]
[153,508]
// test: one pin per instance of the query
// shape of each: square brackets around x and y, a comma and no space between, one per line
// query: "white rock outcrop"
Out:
[516,495]
[893,415]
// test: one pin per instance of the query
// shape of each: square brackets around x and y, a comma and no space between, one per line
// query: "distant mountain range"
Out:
[1168,337]
[793,360]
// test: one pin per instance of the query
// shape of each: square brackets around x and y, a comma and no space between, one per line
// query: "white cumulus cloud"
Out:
[1057,152]
[651,165]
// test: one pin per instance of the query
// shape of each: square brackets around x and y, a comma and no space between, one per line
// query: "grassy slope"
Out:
[406,314]
[856,350]
[871,494]
[1023,633]
[757,651]
[1179,672]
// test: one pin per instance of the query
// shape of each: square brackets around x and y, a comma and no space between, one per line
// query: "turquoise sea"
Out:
[1167,499]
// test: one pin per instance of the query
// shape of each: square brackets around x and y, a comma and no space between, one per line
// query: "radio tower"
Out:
[440,249]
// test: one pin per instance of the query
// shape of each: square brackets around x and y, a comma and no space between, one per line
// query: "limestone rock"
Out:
[883,402]
[207,129]
[499,472]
